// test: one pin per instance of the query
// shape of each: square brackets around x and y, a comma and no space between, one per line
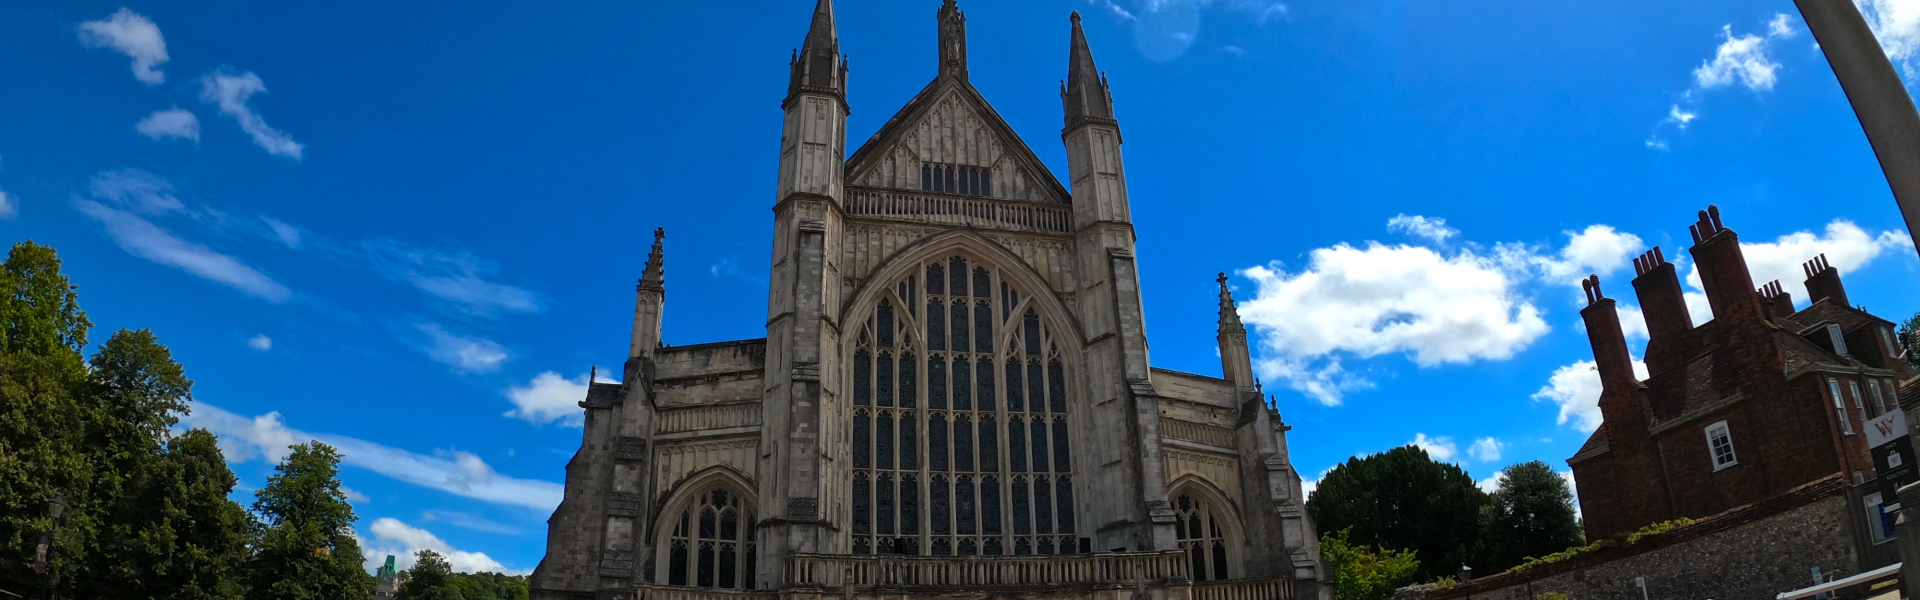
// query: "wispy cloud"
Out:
[1432,228]
[467,521]
[459,473]
[172,122]
[131,34]
[9,206]
[144,239]
[1896,24]
[1485,449]
[136,191]
[466,354]
[231,91]
[260,342]
[404,542]
[457,277]
[288,234]
[1744,60]
[1112,8]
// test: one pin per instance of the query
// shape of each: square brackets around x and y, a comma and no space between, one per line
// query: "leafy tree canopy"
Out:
[431,578]
[42,454]
[1530,515]
[1404,500]
[1365,572]
[307,551]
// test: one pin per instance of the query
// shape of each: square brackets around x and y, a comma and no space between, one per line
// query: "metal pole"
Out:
[1878,96]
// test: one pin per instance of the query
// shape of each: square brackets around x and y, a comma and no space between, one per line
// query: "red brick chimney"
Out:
[1823,281]
[1723,269]
[1669,325]
[1609,343]
[1779,303]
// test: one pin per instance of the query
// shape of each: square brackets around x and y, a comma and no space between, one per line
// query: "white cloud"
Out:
[231,91]
[9,206]
[1680,118]
[467,521]
[1365,302]
[1656,143]
[288,234]
[172,122]
[403,541]
[454,276]
[354,496]
[1847,246]
[1114,9]
[260,342]
[1490,484]
[1598,249]
[1433,228]
[1781,26]
[455,472]
[1260,10]
[135,190]
[1576,388]
[142,238]
[1440,449]
[1633,322]
[133,35]
[1485,449]
[466,354]
[1896,24]
[1742,60]
[548,398]
[1571,487]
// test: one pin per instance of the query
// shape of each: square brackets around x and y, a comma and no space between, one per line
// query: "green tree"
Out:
[491,586]
[1530,515]
[307,550]
[1360,572]
[1910,340]
[431,578]
[132,393]
[1404,500]
[42,331]
[176,534]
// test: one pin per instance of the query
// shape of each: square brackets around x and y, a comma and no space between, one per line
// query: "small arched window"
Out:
[1202,537]
[712,543]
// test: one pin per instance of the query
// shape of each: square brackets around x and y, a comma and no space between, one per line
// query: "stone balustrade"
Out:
[944,209]
[1244,589]
[966,572]
[646,591]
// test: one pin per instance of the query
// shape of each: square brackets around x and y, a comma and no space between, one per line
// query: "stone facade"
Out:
[1749,553]
[1758,401]
[954,397]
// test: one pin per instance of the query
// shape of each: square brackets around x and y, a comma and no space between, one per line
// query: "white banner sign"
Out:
[1886,427]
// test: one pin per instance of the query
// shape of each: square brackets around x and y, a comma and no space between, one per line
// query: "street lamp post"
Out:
[44,553]
[1466,575]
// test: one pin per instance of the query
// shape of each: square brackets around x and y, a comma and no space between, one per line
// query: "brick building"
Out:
[1758,401]
[954,394]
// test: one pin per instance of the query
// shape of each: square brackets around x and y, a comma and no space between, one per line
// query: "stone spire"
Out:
[818,64]
[953,41]
[1236,360]
[1085,91]
[650,298]
[654,277]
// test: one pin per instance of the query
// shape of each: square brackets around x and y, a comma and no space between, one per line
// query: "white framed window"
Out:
[1893,395]
[1720,445]
[1879,402]
[1886,335]
[1880,517]
[1839,406]
[1854,386]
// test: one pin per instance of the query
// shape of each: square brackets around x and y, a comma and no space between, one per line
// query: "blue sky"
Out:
[410,231]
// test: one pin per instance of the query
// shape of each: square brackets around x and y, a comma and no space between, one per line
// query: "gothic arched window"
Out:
[712,543]
[1200,534]
[960,436]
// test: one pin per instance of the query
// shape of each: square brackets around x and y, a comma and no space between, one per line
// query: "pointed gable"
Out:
[950,124]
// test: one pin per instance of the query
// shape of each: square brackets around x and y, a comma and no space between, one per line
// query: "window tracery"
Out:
[1200,534]
[959,397]
[712,543]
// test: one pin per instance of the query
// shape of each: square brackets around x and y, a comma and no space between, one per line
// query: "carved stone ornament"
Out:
[1161,511]
[631,448]
[806,371]
[803,509]
[616,563]
[623,504]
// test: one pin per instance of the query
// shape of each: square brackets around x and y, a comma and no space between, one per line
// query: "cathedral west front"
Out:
[954,397]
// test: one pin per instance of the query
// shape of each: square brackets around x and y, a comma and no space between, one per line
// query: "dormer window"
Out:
[956,179]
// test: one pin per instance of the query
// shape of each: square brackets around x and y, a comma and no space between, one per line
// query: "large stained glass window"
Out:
[712,543]
[960,436]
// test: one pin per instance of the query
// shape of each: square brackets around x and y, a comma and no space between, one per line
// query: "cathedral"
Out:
[954,397]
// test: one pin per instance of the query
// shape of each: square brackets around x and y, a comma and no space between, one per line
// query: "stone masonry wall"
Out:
[1749,553]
